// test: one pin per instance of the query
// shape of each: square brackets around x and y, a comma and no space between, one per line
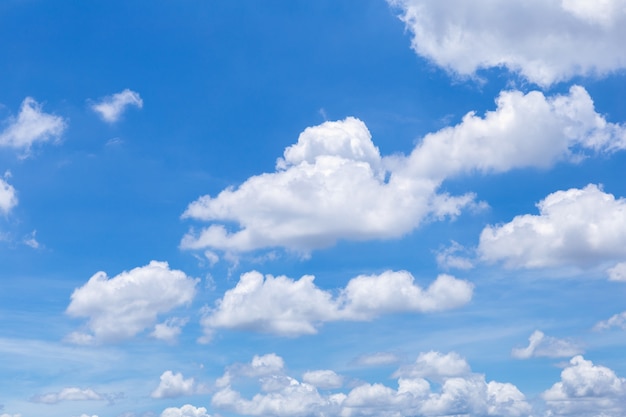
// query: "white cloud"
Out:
[169,329]
[618,272]
[288,307]
[377,359]
[324,379]
[544,41]
[186,410]
[586,389]
[69,394]
[468,394]
[448,258]
[260,366]
[31,126]
[541,345]
[617,320]
[574,227]
[8,197]
[174,385]
[334,184]
[112,107]
[435,366]
[10,415]
[120,307]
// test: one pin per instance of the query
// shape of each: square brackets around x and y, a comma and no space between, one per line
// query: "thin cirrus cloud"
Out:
[31,126]
[333,184]
[111,108]
[460,392]
[543,41]
[540,345]
[582,227]
[287,307]
[119,308]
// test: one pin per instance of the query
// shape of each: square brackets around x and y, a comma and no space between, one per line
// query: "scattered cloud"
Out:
[449,258]
[8,197]
[574,227]
[174,385]
[617,320]
[287,307]
[377,359]
[333,184]
[586,389]
[618,272]
[170,329]
[31,126]
[541,345]
[69,394]
[187,410]
[466,393]
[120,307]
[31,240]
[324,379]
[435,366]
[543,41]
[112,107]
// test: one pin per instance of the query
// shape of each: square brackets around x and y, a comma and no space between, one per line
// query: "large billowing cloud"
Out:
[460,392]
[283,306]
[333,183]
[120,307]
[545,41]
[112,107]
[574,227]
[540,345]
[585,390]
[31,126]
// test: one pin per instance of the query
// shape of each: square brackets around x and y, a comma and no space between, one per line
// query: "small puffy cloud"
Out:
[170,329]
[288,307]
[540,345]
[454,256]
[260,366]
[111,107]
[618,272]
[465,394]
[120,307]
[31,126]
[186,410]
[8,197]
[436,366]
[333,184]
[324,379]
[574,227]
[174,385]
[543,41]
[617,320]
[377,359]
[69,394]
[586,389]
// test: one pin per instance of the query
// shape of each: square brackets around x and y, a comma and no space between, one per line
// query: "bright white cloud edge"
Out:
[111,108]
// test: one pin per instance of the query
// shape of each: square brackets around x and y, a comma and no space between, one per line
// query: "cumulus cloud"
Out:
[69,394]
[173,385]
[333,183]
[543,41]
[260,366]
[8,197]
[111,107]
[436,366]
[585,390]
[574,227]
[120,307]
[540,345]
[617,320]
[186,410]
[288,307]
[465,394]
[324,379]
[170,329]
[31,126]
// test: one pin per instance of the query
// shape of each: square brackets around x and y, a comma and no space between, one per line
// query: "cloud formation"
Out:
[543,41]
[287,307]
[574,227]
[174,385]
[333,183]
[69,394]
[460,392]
[112,107]
[186,410]
[31,126]
[540,345]
[120,307]
[8,197]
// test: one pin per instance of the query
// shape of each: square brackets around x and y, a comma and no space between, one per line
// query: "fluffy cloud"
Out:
[260,366]
[333,183]
[618,272]
[574,227]
[120,307]
[436,366]
[288,307]
[32,125]
[541,345]
[467,394]
[324,379]
[170,329]
[173,385]
[585,390]
[617,320]
[8,197]
[543,41]
[112,107]
[187,410]
[69,394]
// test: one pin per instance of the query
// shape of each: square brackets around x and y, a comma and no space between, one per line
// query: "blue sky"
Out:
[330,208]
